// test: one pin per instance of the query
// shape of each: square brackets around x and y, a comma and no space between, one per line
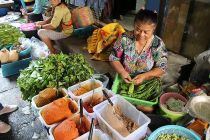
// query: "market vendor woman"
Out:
[141,53]
[57,27]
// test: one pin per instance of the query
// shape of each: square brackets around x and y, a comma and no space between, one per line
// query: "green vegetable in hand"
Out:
[149,90]
[131,89]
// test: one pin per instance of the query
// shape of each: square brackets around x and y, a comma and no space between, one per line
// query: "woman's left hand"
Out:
[139,79]
[38,26]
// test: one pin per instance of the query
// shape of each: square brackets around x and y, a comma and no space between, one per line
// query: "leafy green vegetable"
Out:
[175,104]
[148,90]
[42,73]
[9,35]
[171,137]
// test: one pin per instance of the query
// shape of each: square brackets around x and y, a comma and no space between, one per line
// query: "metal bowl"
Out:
[199,107]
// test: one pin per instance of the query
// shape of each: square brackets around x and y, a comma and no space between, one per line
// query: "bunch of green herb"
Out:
[55,71]
[9,35]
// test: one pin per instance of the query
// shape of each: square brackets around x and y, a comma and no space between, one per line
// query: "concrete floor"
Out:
[25,125]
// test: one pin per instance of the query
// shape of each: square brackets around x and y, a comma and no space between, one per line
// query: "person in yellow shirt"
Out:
[58,26]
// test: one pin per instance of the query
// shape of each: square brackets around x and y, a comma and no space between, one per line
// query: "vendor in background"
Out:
[141,53]
[36,14]
[58,26]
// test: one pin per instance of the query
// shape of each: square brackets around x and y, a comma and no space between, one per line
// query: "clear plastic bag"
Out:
[201,70]
[39,49]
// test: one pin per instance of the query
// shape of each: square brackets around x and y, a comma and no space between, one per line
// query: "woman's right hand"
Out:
[126,77]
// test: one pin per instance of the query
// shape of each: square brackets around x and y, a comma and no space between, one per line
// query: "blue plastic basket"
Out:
[84,32]
[5,46]
[3,11]
[23,53]
[174,129]
[13,68]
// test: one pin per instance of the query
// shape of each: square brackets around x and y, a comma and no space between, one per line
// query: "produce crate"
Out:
[71,89]
[127,110]
[13,68]
[135,101]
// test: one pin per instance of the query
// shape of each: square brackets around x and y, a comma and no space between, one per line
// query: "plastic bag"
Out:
[39,49]
[82,17]
[201,70]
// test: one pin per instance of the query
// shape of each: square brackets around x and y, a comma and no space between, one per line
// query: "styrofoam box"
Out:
[129,111]
[47,125]
[74,87]
[97,135]
[75,118]
[88,97]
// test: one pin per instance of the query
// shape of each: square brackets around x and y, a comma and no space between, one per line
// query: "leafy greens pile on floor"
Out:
[148,90]
[42,73]
[9,35]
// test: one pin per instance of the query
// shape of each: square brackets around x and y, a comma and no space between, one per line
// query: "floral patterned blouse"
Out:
[124,50]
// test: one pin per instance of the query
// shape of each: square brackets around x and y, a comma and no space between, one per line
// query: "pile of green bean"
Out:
[148,90]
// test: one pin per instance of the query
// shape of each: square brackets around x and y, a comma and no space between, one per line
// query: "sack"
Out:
[82,17]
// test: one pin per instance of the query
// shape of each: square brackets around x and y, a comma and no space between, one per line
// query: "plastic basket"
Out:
[97,135]
[135,101]
[73,103]
[74,118]
[74,87]
[36,108]
[83,32]
[23,52]
[5,46]
[174,116]
[129,111]
[208,134]
[13,68]
[89,97]
[103,78]
[174,129]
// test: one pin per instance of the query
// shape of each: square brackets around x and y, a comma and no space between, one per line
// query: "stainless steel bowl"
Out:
[199,107]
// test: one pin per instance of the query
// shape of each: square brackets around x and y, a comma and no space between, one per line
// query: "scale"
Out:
[198,107]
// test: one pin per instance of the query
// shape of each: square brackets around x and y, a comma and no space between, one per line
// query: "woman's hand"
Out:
[126,77]
[38,23]
[139,79]
[23,11]
[38,26]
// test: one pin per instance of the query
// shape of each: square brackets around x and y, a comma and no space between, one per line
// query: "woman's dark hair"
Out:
[146,16]
[62,2]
